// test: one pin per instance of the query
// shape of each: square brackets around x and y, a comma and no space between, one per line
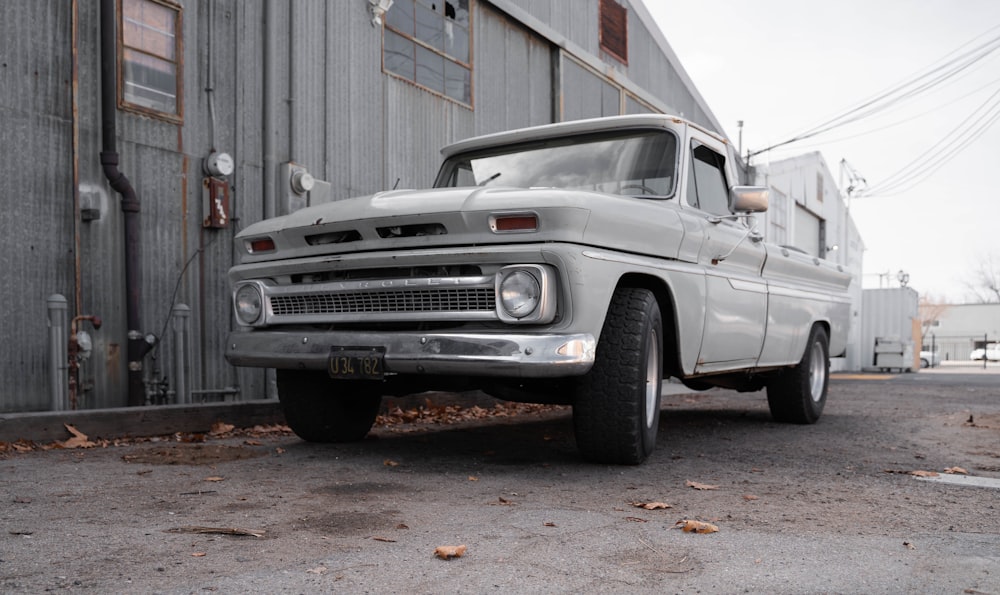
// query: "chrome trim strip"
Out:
[473,354]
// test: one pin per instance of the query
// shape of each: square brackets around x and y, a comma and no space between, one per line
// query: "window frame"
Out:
[611,13]
[470,65]
[693,176]
[126,105]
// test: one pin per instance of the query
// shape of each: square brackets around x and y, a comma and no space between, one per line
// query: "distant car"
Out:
[930,359]
[991,353]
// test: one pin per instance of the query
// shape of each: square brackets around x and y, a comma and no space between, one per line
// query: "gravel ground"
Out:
[829,508]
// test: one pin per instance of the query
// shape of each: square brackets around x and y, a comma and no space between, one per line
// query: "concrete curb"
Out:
[137,421]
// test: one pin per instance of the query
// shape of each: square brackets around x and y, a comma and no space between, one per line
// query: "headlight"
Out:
[248,303]
[520,293]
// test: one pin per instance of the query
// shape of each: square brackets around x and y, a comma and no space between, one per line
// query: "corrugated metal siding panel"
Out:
[886,313]
[516,90]
[574,19]
[355,104]
[37,226]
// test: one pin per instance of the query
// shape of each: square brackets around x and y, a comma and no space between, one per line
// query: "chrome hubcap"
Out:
[817,372]
[652,376]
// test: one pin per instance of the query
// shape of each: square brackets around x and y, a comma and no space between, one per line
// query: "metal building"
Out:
[140,135]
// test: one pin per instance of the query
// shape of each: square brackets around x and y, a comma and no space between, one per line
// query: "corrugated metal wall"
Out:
[333,111]
[37,197]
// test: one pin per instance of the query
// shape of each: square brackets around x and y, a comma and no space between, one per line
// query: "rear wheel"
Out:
[320,409]
[616,406]
[798,395]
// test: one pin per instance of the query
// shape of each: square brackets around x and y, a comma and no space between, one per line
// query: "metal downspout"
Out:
[137,346]
[270,162]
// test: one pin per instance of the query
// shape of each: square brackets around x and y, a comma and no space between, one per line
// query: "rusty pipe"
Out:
[137,346]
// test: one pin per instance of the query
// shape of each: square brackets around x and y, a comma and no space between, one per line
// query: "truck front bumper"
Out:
[470,354]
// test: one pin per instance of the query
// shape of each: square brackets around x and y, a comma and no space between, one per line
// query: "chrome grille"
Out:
[464,299]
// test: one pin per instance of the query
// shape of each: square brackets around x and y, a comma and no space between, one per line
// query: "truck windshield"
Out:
[636,163]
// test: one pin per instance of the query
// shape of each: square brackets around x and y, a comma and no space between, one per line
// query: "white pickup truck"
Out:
[577,263]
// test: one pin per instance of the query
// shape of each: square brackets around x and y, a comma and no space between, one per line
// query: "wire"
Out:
[177,286]
[901,91]
[962,133]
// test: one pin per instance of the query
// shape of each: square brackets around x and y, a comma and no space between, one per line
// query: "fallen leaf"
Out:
[909,545]
[279,450]
[956,470]
[750,497]
[549,524]
[221,428]
[924,473]
[198,554]
[505,501]
[447,552]
[690,526]
[79,439]
[473,478]
[700,486]
[318,570]
[635,519]
[390,463]
[214,478]
[252,442]
[402,526]
[651,505]
[384,539]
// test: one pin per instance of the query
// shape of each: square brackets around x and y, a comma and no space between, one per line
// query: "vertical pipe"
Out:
[181,329]
[270,55]
[75,103]
[137,346]
[58,309]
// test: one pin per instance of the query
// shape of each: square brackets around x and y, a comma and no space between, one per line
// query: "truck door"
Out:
[736,295]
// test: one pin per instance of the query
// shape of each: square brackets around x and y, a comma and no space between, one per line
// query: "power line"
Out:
[901,91]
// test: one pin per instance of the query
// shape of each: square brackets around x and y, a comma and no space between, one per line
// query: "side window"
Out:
[707,186]
[150,58]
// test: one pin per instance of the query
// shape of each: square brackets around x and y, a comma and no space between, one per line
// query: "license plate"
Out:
[357,363]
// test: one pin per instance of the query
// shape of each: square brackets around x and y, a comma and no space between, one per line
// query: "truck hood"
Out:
[410,219]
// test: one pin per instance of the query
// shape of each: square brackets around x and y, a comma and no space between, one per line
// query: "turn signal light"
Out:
[513,223]
[257,245]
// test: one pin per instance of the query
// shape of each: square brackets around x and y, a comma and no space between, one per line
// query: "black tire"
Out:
[320,409]
[616,405]
[798,395]
[924,364]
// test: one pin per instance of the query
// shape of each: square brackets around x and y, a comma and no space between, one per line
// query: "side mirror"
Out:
[748,199]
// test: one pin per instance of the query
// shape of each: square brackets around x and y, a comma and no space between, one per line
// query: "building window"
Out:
[819,187]
[150,57]
[428,42]
[614,30]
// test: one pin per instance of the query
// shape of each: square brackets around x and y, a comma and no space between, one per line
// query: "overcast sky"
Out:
[784,66]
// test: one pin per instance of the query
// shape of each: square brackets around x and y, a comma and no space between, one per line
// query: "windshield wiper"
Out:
[490,179]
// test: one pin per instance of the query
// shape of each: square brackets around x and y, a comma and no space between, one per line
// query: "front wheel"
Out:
[616,406]
[320,409]
[797,395]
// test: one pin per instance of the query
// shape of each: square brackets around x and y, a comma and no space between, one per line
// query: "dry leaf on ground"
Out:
[214,478]
[700,486]
[221,428]
[447,552]
[690,526]
[909,545]
[198,555]
[79,439]
[318,570]
[651,505]
[390,463]
[924,473]
[956,470]
[384,539]
[750,497]
[549,524]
